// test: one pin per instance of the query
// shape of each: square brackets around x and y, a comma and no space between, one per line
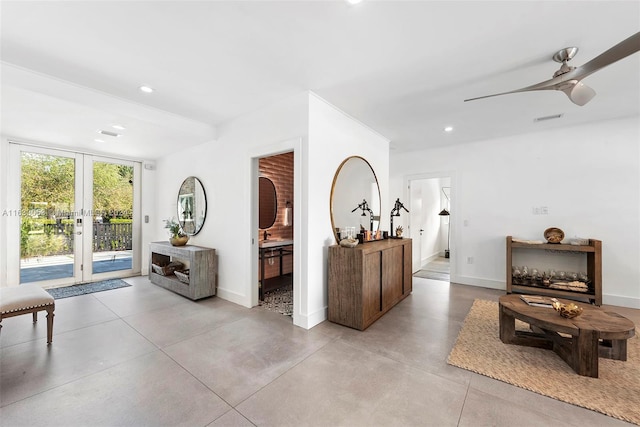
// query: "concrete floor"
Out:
[143,355]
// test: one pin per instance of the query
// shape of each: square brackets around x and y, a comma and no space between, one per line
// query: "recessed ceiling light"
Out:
[98,140]
[448,129]
[353,1]
[146,89]
[117,126]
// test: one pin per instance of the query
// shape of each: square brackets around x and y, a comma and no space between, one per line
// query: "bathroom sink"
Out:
[275,243]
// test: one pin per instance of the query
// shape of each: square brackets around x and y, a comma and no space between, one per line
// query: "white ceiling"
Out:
[402,68]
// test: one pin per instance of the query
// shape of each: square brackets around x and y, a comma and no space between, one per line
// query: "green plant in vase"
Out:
[177,237]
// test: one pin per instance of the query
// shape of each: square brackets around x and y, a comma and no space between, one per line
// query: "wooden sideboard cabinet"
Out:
[201,262]
[367,281]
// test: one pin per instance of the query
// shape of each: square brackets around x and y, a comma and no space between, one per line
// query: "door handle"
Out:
[78,232]
[421,230]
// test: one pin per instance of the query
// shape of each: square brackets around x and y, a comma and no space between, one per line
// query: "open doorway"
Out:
[430,201]
[275,241]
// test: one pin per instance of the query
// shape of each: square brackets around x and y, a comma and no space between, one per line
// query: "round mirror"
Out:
[355,197]
[268,204]
[192,206]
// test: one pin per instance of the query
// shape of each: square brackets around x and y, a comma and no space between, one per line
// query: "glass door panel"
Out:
[48,247]
[112,217]
[74,217]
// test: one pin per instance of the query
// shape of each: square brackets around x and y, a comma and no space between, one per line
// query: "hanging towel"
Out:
[287,217]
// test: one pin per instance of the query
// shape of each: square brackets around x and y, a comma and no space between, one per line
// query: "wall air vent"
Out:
[108,133]
[542,119]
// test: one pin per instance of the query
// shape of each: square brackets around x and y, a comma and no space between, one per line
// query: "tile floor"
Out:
[144,356]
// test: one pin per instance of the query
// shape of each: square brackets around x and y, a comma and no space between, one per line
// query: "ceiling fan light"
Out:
[580,94]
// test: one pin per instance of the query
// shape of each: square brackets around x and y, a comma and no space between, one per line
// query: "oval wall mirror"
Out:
[192,206]
[268,204]
[355,196]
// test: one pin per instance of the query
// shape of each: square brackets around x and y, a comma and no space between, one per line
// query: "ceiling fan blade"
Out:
[579,93]
[546,85]
[621,50]
[569,82]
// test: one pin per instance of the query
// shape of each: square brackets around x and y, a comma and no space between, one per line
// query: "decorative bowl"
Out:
[349,243]
[553,235]
[179,241]
[568,311]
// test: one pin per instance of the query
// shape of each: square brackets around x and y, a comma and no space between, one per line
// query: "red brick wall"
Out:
[279,169]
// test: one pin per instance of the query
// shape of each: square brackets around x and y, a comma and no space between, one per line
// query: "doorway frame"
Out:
[286,146]
[83,158]
[453,203]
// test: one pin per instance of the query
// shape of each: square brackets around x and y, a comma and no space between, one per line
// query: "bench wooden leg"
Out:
[49,324]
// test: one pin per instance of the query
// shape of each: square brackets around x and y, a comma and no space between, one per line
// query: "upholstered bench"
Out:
[24,299]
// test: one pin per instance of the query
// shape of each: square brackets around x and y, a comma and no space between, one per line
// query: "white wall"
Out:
[225,168]
[587,176]
[4,146]
[334,136]
[148,208]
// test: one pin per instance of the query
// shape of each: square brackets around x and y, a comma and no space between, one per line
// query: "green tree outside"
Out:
[47,201]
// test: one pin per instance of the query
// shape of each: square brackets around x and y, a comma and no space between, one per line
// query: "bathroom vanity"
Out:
[271,250]
[368,280]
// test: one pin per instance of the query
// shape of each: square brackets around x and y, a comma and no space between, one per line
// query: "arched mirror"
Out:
[355,196]
[192,206]
[268,205]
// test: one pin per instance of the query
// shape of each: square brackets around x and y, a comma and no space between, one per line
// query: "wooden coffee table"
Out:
[595,333]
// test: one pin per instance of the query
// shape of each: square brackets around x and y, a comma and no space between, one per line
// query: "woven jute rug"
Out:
[478,348]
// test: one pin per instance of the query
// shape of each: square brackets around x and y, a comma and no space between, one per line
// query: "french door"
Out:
[77,219]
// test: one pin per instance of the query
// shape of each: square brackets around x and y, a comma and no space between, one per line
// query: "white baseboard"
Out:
[310,320]
[233,297]
[430,258]
[483,283]
[621,301]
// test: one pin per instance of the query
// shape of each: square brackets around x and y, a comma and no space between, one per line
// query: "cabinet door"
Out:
[392,277]
[371,302]
[408,277]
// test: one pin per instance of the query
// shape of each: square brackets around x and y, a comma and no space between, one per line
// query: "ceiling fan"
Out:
[568,79]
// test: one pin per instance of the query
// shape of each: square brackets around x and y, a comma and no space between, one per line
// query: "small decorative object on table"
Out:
[554,235]
[166,269]
[349,243]
[177,237]
[568,311]
[182,275]
[399,231]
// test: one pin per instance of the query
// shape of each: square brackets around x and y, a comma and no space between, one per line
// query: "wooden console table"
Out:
[595,333]
[201,262]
